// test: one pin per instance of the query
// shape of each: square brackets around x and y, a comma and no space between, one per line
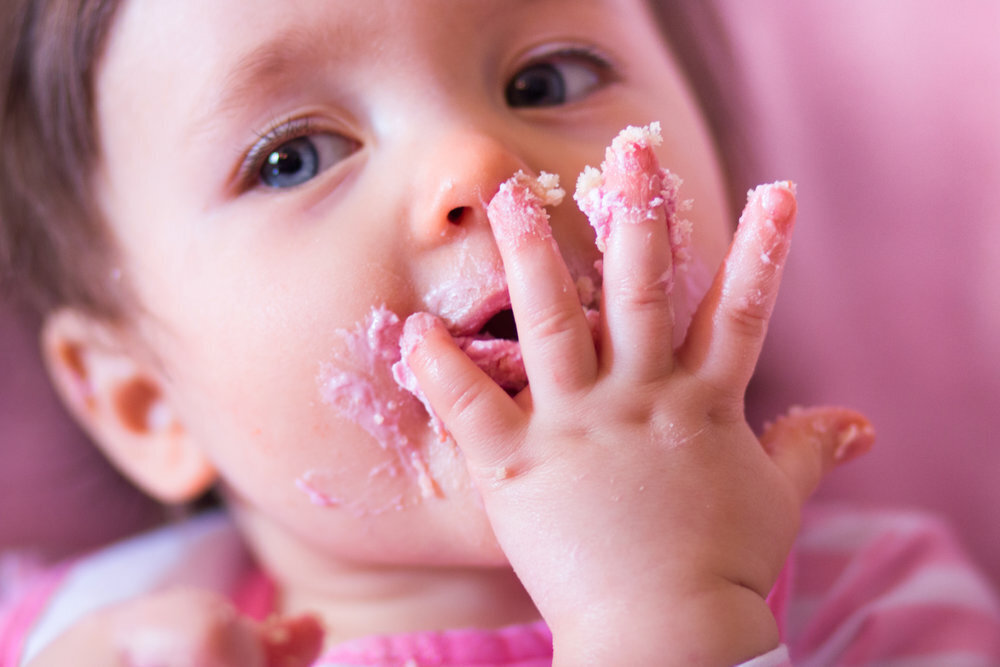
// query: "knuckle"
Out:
[645,296]
[749,318]
[466,401]
[553,322]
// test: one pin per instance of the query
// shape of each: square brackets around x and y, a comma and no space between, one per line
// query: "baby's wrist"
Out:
[724,626]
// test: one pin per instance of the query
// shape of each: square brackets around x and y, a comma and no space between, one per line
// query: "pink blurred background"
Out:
[887,113]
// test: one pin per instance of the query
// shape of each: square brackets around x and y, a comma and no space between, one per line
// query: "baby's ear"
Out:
[118,396]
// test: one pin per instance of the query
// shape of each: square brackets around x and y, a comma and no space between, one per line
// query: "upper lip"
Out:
[467,317]
[471,320]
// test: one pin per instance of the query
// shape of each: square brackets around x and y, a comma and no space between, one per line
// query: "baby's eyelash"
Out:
[591,54]
[267,142]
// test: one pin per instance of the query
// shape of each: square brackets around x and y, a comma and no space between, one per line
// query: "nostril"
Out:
[456,214]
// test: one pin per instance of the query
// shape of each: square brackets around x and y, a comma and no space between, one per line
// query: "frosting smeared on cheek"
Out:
[358,384]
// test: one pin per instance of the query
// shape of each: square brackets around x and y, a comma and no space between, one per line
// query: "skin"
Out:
[241,289]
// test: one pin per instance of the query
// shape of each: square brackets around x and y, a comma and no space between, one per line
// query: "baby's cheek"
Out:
[374,429]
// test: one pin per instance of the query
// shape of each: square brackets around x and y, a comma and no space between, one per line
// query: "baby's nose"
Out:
[456,181]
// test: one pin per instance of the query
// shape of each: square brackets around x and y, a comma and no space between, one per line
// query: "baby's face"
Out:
[279,172]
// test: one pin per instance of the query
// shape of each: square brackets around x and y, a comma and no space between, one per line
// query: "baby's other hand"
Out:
[637,506]
[183,627]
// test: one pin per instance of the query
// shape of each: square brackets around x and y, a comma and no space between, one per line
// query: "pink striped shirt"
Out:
[861,588]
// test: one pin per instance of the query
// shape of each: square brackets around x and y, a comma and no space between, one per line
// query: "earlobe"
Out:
[119,398]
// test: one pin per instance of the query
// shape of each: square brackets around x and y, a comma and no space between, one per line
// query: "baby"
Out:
[283,256]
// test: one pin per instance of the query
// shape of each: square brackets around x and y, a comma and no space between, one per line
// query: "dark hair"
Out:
[55,248]
[52,239]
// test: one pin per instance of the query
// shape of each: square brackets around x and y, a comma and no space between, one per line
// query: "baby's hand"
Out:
[625,486]
[183,627]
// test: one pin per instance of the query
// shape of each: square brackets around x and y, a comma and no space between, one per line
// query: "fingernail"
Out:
[517,210]
[416,327]
[778,200]
[853,440]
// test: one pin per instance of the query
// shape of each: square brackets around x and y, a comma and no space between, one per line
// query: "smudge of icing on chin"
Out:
[358,384]
[316,485]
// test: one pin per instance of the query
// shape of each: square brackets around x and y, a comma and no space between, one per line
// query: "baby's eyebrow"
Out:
[278,59]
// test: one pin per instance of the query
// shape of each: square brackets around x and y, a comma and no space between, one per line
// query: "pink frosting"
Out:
[416,327]
[771,201]
[631,187]
[359,385]
[518,208]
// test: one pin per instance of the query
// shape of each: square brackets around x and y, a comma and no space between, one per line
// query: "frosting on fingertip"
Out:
[517,210]
[632,187]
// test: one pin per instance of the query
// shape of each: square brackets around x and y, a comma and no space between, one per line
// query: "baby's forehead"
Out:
[240,47]
[286,31]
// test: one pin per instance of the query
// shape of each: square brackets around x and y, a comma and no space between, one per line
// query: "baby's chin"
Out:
[451,531]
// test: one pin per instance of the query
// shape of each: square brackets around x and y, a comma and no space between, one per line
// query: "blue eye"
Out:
[292,164]
[301,159]
[565,77]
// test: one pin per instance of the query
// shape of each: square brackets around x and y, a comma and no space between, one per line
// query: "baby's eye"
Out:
[302,158]
[561,78]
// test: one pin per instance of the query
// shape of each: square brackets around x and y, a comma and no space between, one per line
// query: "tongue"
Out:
[499,358]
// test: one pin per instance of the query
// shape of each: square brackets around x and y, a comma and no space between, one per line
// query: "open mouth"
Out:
[501,325]
[494,348]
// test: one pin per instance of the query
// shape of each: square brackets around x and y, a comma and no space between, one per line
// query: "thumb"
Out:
[807,443]
[291,642]
[470,405]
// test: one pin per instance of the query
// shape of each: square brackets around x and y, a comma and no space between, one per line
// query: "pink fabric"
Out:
[877,586]
[520,646]
[18,616]
[887,114]
[864,588]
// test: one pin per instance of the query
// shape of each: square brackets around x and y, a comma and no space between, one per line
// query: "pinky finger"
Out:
[727,333]
[808,442]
